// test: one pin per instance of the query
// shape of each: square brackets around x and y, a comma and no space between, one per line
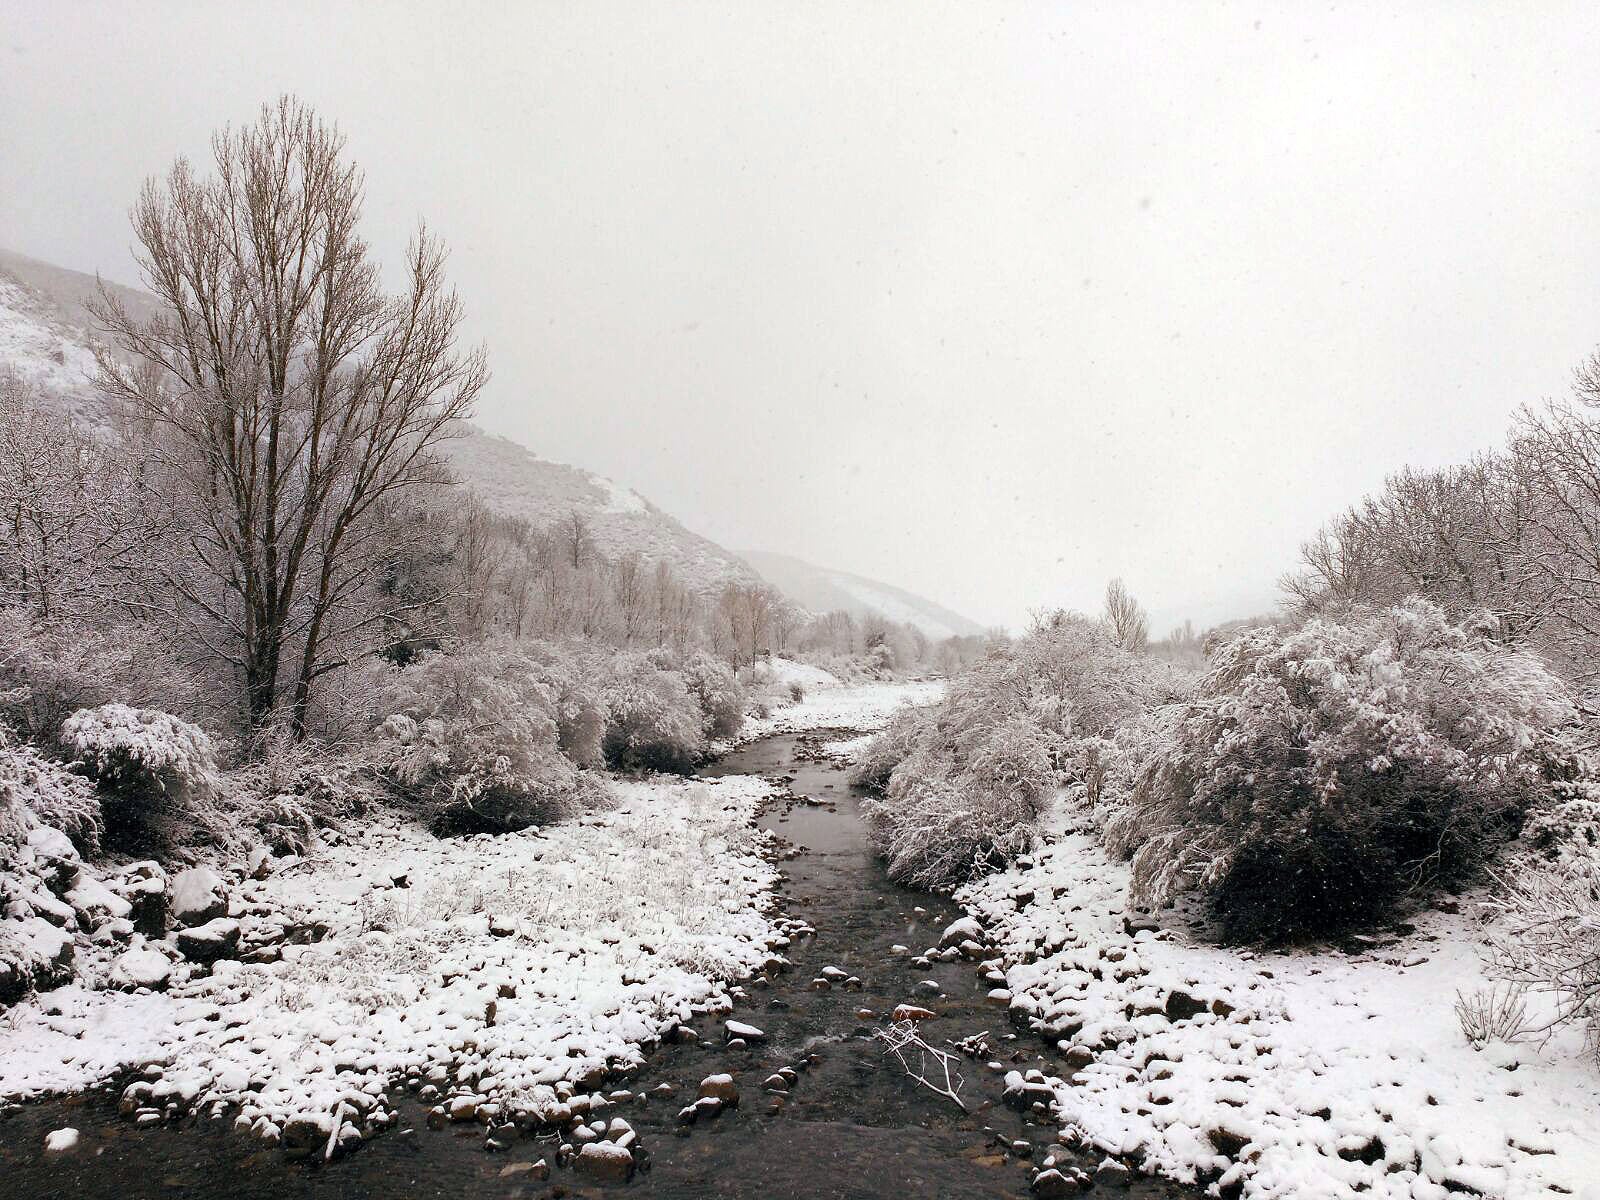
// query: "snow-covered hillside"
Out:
[513,481]
[47,337]
[822,590]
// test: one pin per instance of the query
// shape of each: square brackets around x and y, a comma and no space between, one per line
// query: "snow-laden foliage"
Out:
[49,669]
[891,747]
[652,719]
[48,817]
[36,791]
[474,737]
[717,691]
[1321,772]
[1549,903]
[158,773]
[964,782]
[289,790]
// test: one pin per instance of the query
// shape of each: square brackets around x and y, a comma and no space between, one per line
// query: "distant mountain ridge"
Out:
[822,589]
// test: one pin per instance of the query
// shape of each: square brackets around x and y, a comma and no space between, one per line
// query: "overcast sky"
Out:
[990,301]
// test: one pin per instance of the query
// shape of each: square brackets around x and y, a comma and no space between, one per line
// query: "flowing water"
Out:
[853,1125]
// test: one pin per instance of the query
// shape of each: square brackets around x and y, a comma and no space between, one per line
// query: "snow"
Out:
[861,707]
[61,1141]
[521,963]
[52,357]
[620,499]
[1300,1066]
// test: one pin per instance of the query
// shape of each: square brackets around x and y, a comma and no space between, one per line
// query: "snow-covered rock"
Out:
[217,939]
[60,1141]
[198,896]
[141,967]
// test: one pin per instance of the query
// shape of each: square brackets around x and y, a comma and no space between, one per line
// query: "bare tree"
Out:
[74,529]
[299,403]
[1129,625]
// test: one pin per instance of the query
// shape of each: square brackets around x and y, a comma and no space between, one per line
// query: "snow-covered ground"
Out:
[510,971]
[1294,1075]
[831,704]
[514,963]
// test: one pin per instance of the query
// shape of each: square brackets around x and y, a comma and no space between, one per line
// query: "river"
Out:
[853,1125]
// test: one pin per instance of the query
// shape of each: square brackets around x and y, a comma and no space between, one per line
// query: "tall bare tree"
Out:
[298,402]
[1125,618]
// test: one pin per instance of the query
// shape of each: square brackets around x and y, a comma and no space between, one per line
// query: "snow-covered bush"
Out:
[289,790]
[653,722]
[50,669]
[717,691]
[940,822]
[48,817]
[157,772]
[965,781]
[571,674]
[1321,772]
[891,747]
[35,791]
[473,737]
[1548,937]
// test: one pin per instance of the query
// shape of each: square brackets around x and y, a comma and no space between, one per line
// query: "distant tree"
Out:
[1129,626]
[297,404]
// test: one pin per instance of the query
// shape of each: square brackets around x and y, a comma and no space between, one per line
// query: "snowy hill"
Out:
[47,335]
[821,589]
[513,481]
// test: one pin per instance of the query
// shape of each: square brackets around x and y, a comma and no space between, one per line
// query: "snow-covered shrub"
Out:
[473,738]
[939,823]
[717,691]
[1492,1014]
[965,781]
[36,791]
[49,670]
[289,790]
[1548,938]
[1320,773]
[652,720]
[891,747]
[42,806]
[157,772]
[572,675]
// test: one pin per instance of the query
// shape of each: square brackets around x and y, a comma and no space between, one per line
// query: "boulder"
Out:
[198,896]
[1052,1183]
[259,864]
[141,967]
[147,895]
[966,929]
[721,1088]
[56,856]
[604,1162]
[215,940]
[1111,1173]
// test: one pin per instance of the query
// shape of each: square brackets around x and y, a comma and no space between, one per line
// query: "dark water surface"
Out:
[853,1126]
